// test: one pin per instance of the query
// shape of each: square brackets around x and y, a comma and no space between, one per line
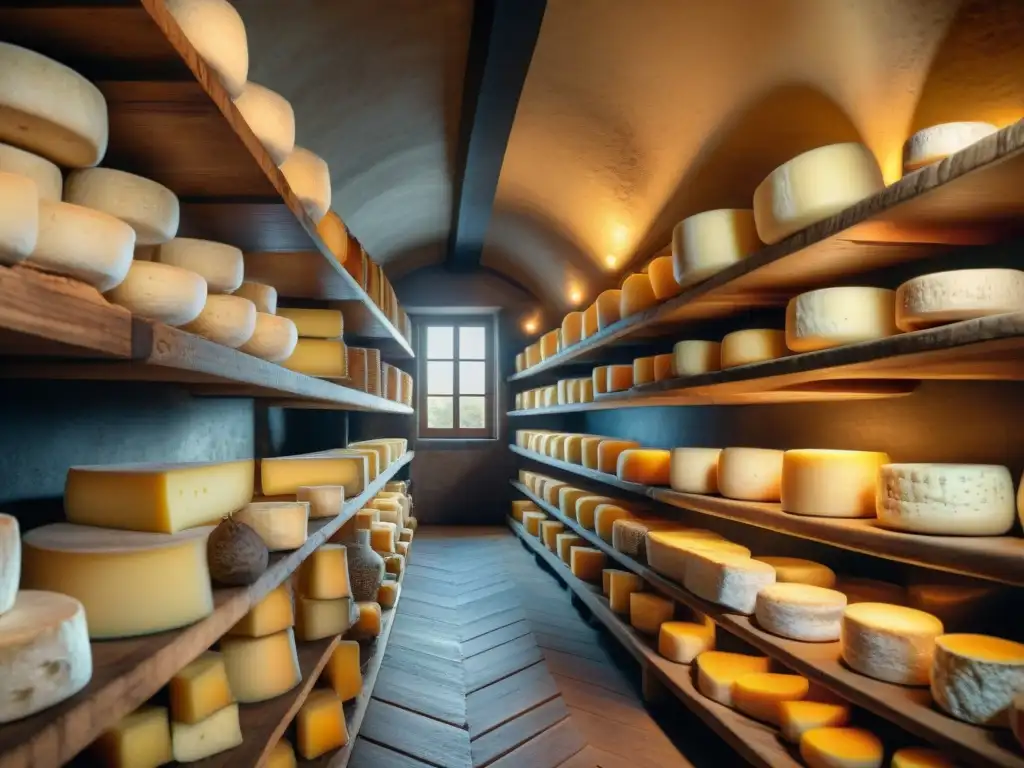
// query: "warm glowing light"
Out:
[610,261]
[575,296]
[619,235]
[530,326]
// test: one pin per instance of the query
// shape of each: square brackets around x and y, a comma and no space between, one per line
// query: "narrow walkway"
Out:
[490,665]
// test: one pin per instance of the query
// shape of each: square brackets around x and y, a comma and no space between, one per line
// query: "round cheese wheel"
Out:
[161,292]
[832,317]
[813,186]
[754,345]
[975,677]
[88,245]
[335,235]
[694,470]
[217,33]
[263,296]
[45,174]
[932,144]
[10,561]
[19,217]
[663,279]
[274,338]
[44,653]
[794,570]
[691,358]
[637,295]
[149,208]
[750,474]
[310,179]
[962,294]
[800,611]
[711,241]
[227,320]
[889,642]
[826,483]
[271,118]
[220,265]
[50,109]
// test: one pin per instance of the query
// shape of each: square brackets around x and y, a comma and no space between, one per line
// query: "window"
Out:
[457,369]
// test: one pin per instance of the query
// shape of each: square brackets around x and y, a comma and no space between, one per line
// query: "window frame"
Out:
[487,322]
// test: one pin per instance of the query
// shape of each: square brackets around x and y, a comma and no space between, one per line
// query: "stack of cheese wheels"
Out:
[932,144]
[832,317]
[217,32]
[975,677]
[25,181]
[964,294]
[710,242]
[274,338]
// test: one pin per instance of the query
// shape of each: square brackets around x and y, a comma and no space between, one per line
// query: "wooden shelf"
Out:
[172,121]
[756,742]
[128,672]
[972,197]
[909,708]
[994,558]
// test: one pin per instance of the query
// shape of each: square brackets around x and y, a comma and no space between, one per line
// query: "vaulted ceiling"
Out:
[632,116]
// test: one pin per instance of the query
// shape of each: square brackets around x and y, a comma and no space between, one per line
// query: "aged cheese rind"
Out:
[800,611]
[226,320]
[270,116]
[753,345]
[45,174]
[936,142]
[692,358]
[832,317]
[750,474]
[149,208]
[694,470]
[161,292]
[963,294]
[310,179]
[709,242]
[220,265]
[889,642]
[730,580]
[975,677]
[87,245]
[826,483]
[216,31]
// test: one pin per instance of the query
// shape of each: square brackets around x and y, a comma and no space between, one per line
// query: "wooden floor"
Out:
[489,664]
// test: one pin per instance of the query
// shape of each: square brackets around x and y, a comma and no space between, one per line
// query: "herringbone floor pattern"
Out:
[490,665]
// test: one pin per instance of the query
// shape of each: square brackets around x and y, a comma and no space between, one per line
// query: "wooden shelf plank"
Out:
[994,558]
[757,743]
[128,672]
[909,708]
[971,197]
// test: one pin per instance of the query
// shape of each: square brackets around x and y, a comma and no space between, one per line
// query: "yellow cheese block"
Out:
[549,529]
[692,358]
[683,641]
[563,392]
[663,279]
[141,739]
[750,474]
[551,491]
[694,470]
[608,453]
[567,498]
[586,390]
[383,537]
[606,581]
[315,323]
[272,614]
[586,509]
[282,525]
[285,475]
[648,612]
[564,542]
[162,498]
[325,358]
[717,671]
[830,483]
[711,241]
[261,668]
[646,466]
[533,355]
[130,583]
[549,344]
[369,623]
[324,574]
[618,377]
[643,371]
[343,670]
[572,329]
[663,367]
[759,694]
[574,448]
[798,717]
[519,506]
[919,757]
[605,516]
[199,689]
[590,321]
[599,377]
[621,585]
[637,295]
[586,563]
[831,747]
[754,345]
[365,518]
[320,724]
[588,450]
[317,619]
[520,363]
[608,307]
[324,500]
[282,755]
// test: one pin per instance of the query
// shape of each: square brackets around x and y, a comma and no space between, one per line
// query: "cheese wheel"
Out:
[646,466]
[832,317]
[589,321]
[599,376]
[608,308]
[151,209]
[45,174]
[800,611]
[975,677]
[663,279]
[683,641]
[813,186]
[45,656]
[962,294]
[270,116]
[932,144]
[794,570]
[889,642]
[82,243]
[263,296]
[717,671]
[694,470]
[217,32]
[637,295]
[663,365]
[227,320]
[549,530]
[608,453]
[798,717]
[161,292]
[643,371]
[618,377]
[709,242]
[564,542]
[727,579]
[841,748]
[629,536]
[335,235]
[520,358]
[605,517]
[220,265]
[310,179]
[691,358]
[50,110]
[750,474]
[760,694]
[532,353]
[274,338]
[830,483]
[572,329]
[948,499]
[19,217]
[754,345]
[549,344]
[668,552]
[10,561]
[918,757]
[586,509]
[586,390]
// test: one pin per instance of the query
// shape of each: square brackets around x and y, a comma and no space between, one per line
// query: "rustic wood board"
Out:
[128,672]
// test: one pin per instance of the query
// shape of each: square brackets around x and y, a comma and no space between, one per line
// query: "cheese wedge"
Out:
[975,677]
[683,641]
[846,747]
[798,717]
[717,672]
[760,694]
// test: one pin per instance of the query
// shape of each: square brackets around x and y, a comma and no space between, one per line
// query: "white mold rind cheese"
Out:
[19,217]
[800,611]
[84,244]
[220,265]
[833,317]
[45,656]
[217,33]
[271,118]
[889,642]
[975,678]
[946,499]
[151,209]
[963,294]
[50,110]
[227,320]
[730,580]
[711,241]
[932,144]
[10,561]
[161,292]
[310,180]
[45,174]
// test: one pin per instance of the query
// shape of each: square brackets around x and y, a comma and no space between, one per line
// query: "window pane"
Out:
[440,377]
[471,413]
[440,342]
[472,343]
[471,378]
[439,412]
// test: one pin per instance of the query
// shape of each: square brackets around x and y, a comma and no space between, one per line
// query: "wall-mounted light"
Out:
[575,295]
[530,326]
[610,261]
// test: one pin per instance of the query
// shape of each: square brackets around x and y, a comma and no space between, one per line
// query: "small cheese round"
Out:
[273,339]
[334,233]
[890,642]
[812,187]
[794,570]
[919,757]
[832,317]
[759,694]
[589,323]
[19,217]
[754,345]
[637,295]
[270,116]
[800,611]
[798,717]
[10,561]
[750,474]
[683,641]
[608,308]
[948,499]
[932,144]
[694,470]
[975,677]
[263,296]
[310,179]
[220,265]
[217,33]
[841,748]
[962,294]
[161,292]
[227,320]
[709,242]
[646,466]
[663,279]
[692,358]
[825,483]
[572,329]
[45,656]
[151,209]
[88,245]
[50,110]
[45,174]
